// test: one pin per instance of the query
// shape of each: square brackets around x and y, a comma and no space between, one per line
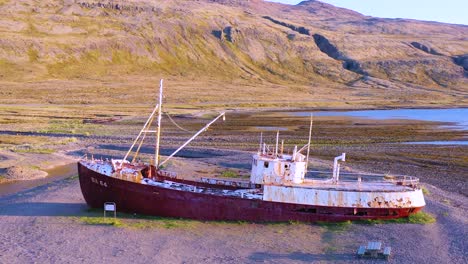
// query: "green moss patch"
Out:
[418,218]
[136,221]
[229,174]
[34,150]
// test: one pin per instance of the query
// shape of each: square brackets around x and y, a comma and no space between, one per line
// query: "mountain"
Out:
[255,50]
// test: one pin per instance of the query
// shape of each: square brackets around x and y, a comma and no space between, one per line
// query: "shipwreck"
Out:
[278,189]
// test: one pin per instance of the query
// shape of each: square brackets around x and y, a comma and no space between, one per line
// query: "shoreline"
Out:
[344,109]
[195,109]
[57,173]
[247,110]
[29,170]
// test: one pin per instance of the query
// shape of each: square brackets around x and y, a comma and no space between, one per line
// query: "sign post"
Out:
[110,207]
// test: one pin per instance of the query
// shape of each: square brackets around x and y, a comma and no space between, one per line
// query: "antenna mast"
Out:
[308,144]
[276,147]
[261,142]
[158,135]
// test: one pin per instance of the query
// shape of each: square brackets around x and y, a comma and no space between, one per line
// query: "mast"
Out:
[158,135]
[308,144]
[261,142]
[276,146]
[282,147]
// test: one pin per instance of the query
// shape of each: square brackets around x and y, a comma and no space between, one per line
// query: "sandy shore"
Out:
[50,223]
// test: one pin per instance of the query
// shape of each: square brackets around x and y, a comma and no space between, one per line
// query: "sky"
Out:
[449,11]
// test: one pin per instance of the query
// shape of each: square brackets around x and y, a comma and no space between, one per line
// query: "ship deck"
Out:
[359,182]
[241,193]
[351,182]
[352,186]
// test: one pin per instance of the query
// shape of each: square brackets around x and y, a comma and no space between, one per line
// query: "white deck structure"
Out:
[283,180]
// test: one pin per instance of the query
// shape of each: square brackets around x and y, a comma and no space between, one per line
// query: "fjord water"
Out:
[457,116]
[54,174]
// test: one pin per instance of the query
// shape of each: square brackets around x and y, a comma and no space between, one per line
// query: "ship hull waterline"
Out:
[131,197]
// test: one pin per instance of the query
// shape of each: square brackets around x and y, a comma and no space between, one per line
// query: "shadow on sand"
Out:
[300,256]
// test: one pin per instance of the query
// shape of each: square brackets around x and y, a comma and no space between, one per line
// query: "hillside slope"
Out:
[256,51]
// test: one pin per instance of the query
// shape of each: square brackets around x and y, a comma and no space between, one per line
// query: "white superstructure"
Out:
[283,179]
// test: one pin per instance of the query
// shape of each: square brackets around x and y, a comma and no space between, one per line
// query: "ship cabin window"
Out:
[266,164]
[286,166]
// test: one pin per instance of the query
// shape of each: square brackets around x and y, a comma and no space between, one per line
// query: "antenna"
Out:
[308,144]
[276,147]
[261,141]
[158,135]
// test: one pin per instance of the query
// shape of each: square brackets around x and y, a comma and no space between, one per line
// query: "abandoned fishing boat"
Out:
[278,189]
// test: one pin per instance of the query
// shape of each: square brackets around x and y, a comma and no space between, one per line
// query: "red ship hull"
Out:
[132,197]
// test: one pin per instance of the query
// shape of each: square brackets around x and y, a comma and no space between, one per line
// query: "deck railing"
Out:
[169,174]
[365,177]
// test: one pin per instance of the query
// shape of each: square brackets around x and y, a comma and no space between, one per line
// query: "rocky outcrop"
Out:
[228,34]
[298,29]
[461,60]
[118,6]
[217,33]
[324,45]
[425,48]
[332,51]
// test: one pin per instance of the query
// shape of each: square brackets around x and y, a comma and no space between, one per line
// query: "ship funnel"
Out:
[336,167]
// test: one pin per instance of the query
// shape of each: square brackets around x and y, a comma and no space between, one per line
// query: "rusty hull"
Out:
[139,198]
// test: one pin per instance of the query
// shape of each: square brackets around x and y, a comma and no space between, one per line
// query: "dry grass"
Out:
[34,150]
[20,140]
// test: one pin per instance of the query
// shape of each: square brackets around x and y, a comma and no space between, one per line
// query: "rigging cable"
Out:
[181,128]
